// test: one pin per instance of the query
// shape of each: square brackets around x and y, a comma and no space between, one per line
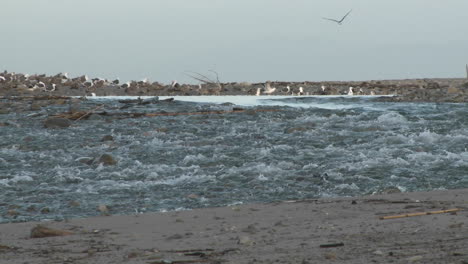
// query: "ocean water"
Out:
[309,147]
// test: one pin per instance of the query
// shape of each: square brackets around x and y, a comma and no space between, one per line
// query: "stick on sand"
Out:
[419,214]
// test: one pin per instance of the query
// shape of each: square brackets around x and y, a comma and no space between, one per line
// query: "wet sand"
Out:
[341,230]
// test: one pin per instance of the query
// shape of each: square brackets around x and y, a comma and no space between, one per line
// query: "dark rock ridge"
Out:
[417,90]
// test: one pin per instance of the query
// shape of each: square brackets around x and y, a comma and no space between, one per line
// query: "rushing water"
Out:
[311,147]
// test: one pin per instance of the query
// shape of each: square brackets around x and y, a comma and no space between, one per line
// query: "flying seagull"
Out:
[338,21]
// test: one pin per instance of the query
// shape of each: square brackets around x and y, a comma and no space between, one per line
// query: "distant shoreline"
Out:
[409,90]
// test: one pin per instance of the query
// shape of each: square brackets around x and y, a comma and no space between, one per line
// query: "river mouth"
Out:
[310,147]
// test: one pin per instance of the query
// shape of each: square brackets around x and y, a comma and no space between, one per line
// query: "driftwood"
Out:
[89,112]
[420,213]
[83,115]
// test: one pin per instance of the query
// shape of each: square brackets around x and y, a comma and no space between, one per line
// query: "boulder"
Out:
[107,160]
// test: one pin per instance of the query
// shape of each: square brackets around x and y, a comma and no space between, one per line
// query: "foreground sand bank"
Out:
[342,230]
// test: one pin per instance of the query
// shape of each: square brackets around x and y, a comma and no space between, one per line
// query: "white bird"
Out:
[323,88]
[338,21]
[174,83]
[372,93]
[350,92]
[93,94]
[2,79]
[301,91]
[259,90]
[268,89]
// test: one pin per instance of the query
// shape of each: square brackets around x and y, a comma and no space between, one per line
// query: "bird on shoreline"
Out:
[268,89]
[338,21]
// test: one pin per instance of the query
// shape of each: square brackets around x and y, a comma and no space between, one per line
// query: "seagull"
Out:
[338,21]
[259,90]
[350,92]
[268,89]
[175,84]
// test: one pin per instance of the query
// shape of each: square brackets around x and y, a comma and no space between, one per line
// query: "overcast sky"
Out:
[243,40]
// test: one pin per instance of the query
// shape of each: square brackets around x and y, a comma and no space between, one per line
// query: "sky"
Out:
[242,40]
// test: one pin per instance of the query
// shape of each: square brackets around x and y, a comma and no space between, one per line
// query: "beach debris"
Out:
[454,210]
[107,160]
[57,122]
[330,245]
[88,113]
[40,231]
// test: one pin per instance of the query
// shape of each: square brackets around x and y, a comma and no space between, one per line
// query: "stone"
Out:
[245,241]
[41,231]
[107,138]
[45,210]
[13,213]
[453,90]
[57,123]
[103,209]
[107,160]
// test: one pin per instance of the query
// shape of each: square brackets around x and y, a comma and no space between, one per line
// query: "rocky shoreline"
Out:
[408,90]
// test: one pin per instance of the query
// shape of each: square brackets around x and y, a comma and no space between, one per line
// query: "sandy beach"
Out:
[341,230]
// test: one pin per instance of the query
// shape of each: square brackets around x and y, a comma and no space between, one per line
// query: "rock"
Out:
[35,106]
[57,123]
[13,213]
[31,208]
[45,210]
[193,196]
[42,231]
[245,241]
[107,160]
[74,204]
[453,90]
[103,209]
[107,138]
[378,252]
